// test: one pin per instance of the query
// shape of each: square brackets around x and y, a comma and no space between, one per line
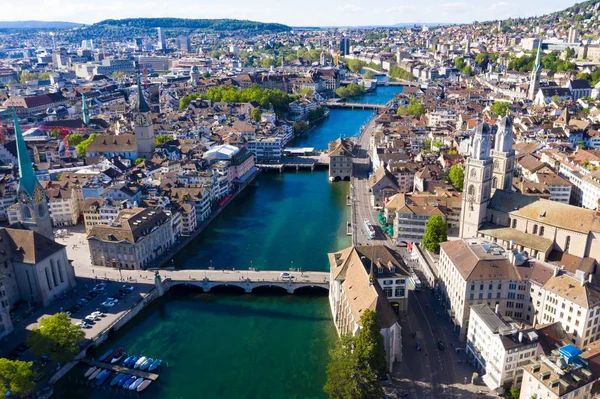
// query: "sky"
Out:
[300,13]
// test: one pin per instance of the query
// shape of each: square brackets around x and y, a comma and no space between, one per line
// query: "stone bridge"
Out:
[247,281]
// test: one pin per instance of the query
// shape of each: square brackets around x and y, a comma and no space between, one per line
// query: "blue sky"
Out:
[295,13]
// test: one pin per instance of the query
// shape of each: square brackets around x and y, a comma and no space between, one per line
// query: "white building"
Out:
[266,148]
[499,347]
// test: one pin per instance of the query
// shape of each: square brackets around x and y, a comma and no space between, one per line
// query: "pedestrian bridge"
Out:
[247,280]
[336,104]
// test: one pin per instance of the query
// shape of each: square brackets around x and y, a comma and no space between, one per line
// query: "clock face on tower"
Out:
[38,194]
[140,120]
[23,196]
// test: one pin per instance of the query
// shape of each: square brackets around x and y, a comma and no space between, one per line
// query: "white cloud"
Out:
[454,6]
[400,9]
[349,8]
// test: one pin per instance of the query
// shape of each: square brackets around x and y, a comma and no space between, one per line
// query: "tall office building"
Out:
[138,43]
[162,41]
[183,43]
[345,45]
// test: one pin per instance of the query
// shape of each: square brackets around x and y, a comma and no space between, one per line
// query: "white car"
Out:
[108,304]
[91,318]
[83,324]
[97,314]
[286,275]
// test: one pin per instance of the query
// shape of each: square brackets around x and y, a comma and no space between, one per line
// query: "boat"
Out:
[127,360]
[137,383]
[115,353]
[128,382]
[105,355]
[116,379]
[118,358]
[140,361]
[94,374]
[155,365]
[104,377]
[143,385]
[122,382]
[90,371]
[144,366]
[132,361]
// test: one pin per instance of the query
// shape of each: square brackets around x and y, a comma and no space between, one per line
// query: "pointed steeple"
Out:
[537,65]
[27,177]
[142,104]
[84,110]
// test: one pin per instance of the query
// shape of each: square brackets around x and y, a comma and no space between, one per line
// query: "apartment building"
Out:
[266,148]
[499,347]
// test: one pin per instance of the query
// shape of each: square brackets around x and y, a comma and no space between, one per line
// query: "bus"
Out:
[369,229]
[413,281]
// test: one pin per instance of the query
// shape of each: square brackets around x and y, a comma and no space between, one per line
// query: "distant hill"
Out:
[38,25]
[205,24]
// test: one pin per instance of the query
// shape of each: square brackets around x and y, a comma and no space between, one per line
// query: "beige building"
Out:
[64,208]
[340,159]
[135,239]
[557,377]
[369,278]
[476,271]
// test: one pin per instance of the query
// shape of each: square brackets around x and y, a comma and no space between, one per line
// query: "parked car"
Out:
[108,304]
[83,324]
[128,288]
[98,313]
[440,345]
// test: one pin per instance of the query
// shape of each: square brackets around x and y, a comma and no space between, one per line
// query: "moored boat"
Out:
[132,361]
[103,377]
[116,379]
[139,362]
[122,382]
[118,358]
[137,383]
[105,355]
[144,366]
[128,382]
[155,365]
[94,374]
[144,385]
[127,360]
[90,371]
[115,353]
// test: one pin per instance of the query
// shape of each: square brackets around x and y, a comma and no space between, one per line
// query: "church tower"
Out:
[534,80]
[33,201]
[194,75]
[143,129]
[503,156]
[84,110]
[478,182]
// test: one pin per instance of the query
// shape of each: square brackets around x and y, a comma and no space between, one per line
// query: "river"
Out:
[229,345]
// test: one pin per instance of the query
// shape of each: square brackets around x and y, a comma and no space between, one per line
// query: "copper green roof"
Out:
[84,110]
[142,105]
[27,178]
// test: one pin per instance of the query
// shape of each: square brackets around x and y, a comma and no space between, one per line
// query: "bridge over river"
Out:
[338,104]
[248,280]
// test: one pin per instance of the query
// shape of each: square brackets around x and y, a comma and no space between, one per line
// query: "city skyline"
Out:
[313,13]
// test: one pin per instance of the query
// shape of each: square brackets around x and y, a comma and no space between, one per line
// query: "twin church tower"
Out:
[486,170]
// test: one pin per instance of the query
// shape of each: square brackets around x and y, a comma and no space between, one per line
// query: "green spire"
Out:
[142,105]
[84,110]
[27,177]
[536,67]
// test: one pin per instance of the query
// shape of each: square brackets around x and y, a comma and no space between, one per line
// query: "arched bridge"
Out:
[246,280]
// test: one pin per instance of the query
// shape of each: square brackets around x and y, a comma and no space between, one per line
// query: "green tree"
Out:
[161,139]
[369,75]
[456,175]
[17,377]
[27,76]
[74,138]
[139,161]
[82,147]
[400,73]
[414,108]
[256,114]
[500,108]
[346,377]
[306,92]
[355,65]
[300,127]
[118,75]
[56,337]
[513,394]
[55,133]
[556,99]
[459,63]
[435,233]
[369,344]
[44,76]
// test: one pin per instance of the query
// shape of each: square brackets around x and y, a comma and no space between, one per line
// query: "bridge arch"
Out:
[270,289]
[310,289]
[227,288]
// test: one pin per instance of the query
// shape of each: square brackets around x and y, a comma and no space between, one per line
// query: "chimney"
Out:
[555,273]
[497,309]
[520,336]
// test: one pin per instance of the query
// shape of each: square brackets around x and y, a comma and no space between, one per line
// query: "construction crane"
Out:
[103,51]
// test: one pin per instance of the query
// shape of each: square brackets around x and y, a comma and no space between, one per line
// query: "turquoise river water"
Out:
[233,346]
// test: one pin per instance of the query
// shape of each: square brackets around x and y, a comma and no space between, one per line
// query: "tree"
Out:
[44,76]
[513,394]
[256,114]
[456,175]
[400,73]
[414,108]
[369,75]
[27,76]
[82,147]
[55,133]
[300,127]
[346,379]
[139,161]
[435,233]
[306,92]
[56,337]
[118,75]
[161,139]
[74,138]
[17,377]
[500,108]
[369,344]
[459,63]
[556,99]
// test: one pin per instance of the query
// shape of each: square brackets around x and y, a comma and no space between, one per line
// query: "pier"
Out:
[121,369]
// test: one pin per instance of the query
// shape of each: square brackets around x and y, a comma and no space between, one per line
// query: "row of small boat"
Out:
[142,363]
[123,380]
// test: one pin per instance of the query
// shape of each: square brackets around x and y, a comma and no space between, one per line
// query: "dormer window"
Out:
[379,269]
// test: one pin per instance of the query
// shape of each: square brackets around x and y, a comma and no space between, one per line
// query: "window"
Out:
[567,243]
[535,229]
[399,292]
[471,297]
[41,211]
[388,292]
[481,296]
[541,230]
[514,224]
[27,212]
